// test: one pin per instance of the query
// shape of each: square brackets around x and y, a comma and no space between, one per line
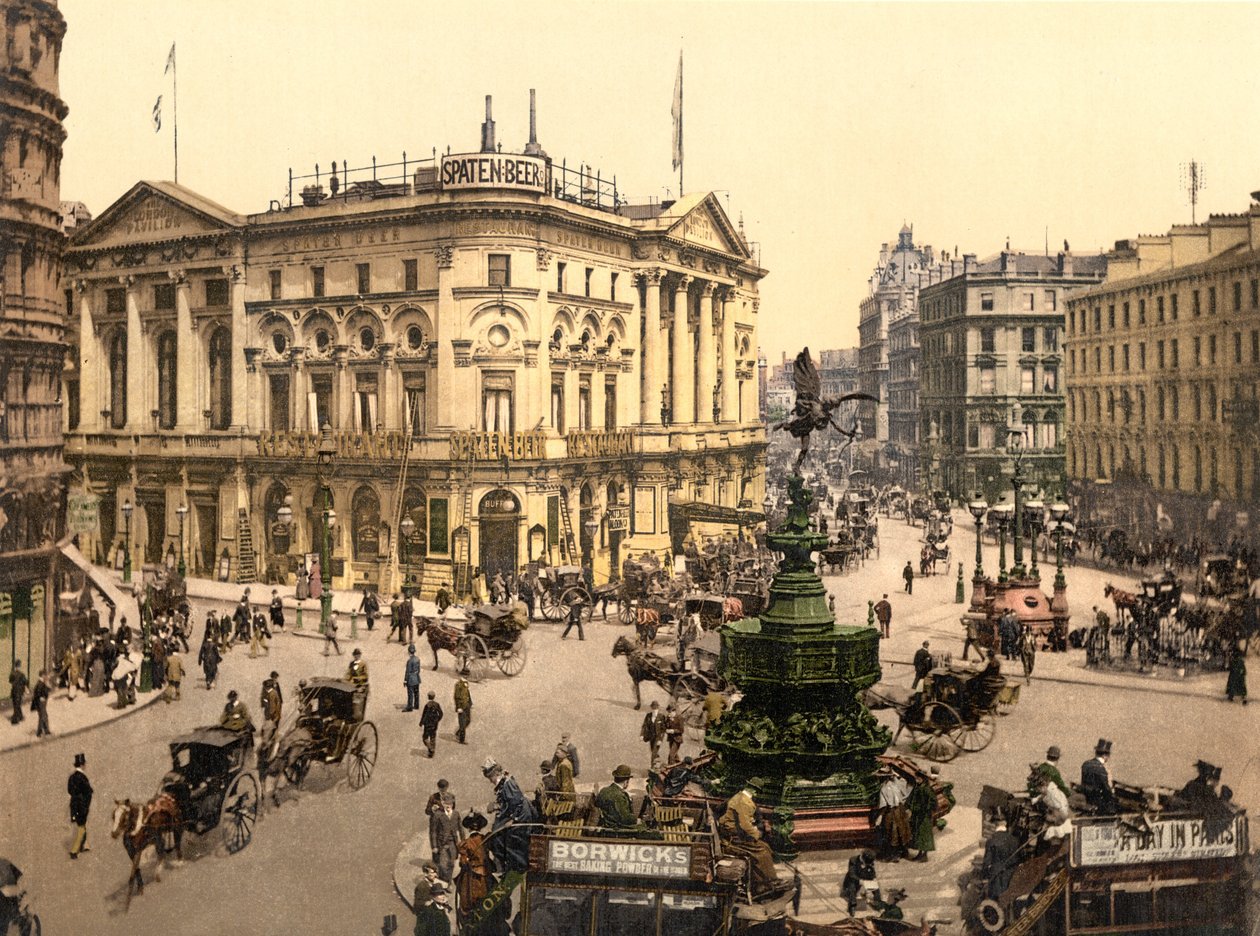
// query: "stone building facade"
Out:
[32,331]
[522,372]
[1163,364]
[992,357]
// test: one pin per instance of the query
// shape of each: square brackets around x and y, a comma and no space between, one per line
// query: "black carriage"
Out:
[953,711]
[212,784]
[710,607]
[1220,577]
[331,729]
[839,554]
[562,586]
[494,635]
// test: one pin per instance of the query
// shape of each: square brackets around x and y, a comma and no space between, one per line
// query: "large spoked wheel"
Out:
[578,593]
[511,662]
[552,608]
[239,812]
[975,737]
[472,659]
[361,755]
[625,611]
[933,736]
[991,916]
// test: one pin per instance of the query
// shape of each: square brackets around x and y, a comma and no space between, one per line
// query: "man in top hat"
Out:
[276,610]
[431,913]
[1049,769]
[357,672]
[576,603]
[1096,781]
[922,664]
[235,715]
[653,731]
[80,790]
[615,809]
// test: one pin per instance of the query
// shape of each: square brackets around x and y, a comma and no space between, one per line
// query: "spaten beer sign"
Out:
[496,171]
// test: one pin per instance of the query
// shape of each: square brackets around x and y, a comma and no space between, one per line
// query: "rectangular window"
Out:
[411,275]
[1141,311]
[365,415]
[1050,434]
[986,302]
[1098,360]
[216,292]
[317,281]
[986,435]
[273,279]
[413,414]
[1197,398]
[988,380]
[1111,317]
[1174,359]
[557,404]
[1028,339]
[1255,347]
[496,403]
[612,288]
[1072,361]
[1124,314]
[1237,296]
[500,269]
[363,278]
[1027,379]
[1255,293]
[1097,318]
[72,404]
[987,340]
[1159,355]
[319,402]
[278,383]
[1051,300]
[1124,357]
[589,273]
[1211,300]
[1212,350]
[610,401]
[1111,358]
[1211,402]
[973,436]
[1198,351]
[1030,301]
[164,296]
[1195,304]
[584,405]
[1142,355]
[439,525]
[1050,339]
[560,268]
[1176,403]
[1173,300]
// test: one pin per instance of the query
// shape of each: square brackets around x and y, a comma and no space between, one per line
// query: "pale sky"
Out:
[829,124]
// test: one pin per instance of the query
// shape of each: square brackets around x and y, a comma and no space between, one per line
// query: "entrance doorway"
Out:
[498,518]
[207,536]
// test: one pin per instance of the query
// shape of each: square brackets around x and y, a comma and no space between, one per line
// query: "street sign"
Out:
[83,514]
[618,519]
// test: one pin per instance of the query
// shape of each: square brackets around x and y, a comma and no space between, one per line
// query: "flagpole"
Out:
[681,152]
[175,109]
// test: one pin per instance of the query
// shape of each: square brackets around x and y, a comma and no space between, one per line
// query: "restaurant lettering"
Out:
[500,227]
[304,444]
[494,446]
[594,443]
[495,170]
[626,858]
[1191,838]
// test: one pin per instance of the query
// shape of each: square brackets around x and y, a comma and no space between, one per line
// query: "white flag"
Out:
[157,115]
[170,60]
[677,112]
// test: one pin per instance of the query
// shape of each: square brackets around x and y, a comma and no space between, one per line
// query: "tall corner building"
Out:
[505,353]
[32,331]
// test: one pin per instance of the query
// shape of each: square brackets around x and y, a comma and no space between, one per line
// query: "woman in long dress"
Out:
[303,582]
[317,579]
[473,882]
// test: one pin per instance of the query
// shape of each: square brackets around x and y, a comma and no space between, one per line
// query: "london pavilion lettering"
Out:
[495,170]
[493,446]
[593,443]
[625,858]
[153,217]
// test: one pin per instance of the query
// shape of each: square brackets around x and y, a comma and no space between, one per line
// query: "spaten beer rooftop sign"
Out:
[496,171]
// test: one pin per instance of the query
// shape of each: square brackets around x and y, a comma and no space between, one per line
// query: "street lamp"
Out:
[1034,519]
[127,508]
[666,407]
[1015,440]
[323,463]
[978,508]
[1058,513]
[592,528]
[182,568]
[408,526]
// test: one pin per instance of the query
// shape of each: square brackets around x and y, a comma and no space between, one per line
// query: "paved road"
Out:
[322,862]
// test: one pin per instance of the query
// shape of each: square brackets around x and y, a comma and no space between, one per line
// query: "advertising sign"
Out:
[1189,838]
[82,513]
[631,858]
[496,171]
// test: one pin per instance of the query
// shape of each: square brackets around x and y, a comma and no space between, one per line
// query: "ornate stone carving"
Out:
[544,259]
[80,285]
[178,251]
[445,254]
[756,306]
[178,276]
[463,351]
[708,288]
[711,265]
[640,251]
[662,254]
[236,272]
[130,257]
[127,280]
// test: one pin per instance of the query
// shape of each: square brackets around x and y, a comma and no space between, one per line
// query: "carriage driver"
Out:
[235,715]
[357,672]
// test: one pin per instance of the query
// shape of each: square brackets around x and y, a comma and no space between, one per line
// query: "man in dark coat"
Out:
[1236,685]
[1096,781]
[575,618]
[431,918]
[883,614]
[430,717]
[615,808]
[861,868]
[922,804]
[370,605]
[513,816]
[80,790]
[17,691]
[276,610]
[653,731]
[922,664]
[39,703]
[999,860]
[445,834]
[411,679]
[908,574]
[463,709]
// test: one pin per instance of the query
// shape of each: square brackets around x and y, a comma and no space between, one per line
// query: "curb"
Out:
[154,696]
[407,868]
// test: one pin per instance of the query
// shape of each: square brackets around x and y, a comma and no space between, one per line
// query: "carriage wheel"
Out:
[512,660]
[295,772]
[239,812]
[975,737]
[692,711]
[575,593]
[472,658]
[361,755]
[991,916]
[552,609]
[625,611]
[933,735]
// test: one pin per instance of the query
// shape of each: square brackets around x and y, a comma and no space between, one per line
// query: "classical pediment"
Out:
[157,211]
[705,224]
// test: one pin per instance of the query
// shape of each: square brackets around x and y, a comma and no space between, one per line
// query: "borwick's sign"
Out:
[1115,843]
[627,858]
[495,170]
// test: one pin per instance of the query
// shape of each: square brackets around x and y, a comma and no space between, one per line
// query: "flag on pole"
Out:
[157,115]
[677,112]
[170,60]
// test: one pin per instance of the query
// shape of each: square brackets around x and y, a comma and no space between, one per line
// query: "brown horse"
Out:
[645,666]
[1124,601]
[441,636]
[647,621]
[142,826]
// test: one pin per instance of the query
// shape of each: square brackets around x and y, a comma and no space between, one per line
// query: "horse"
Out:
[647,621]
[1124,601]
[645,666]
[142,826]
[281,755]
[732,609]
[441,636]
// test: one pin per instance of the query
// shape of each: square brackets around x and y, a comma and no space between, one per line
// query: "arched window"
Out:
[220,379]
[167,382]
[365,524]
[118,380]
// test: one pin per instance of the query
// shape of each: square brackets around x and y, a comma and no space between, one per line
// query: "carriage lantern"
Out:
[182,510]
[127,509]
[978,508]
[408,526]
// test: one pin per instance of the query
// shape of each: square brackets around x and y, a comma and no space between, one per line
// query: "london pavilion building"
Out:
[486,360]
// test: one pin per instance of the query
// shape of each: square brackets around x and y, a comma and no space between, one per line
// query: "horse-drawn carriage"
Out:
[561,587]
[1220,577]
[495,634]
[955,710]
[843,551]
[213,785]
[330,729]
[714,610]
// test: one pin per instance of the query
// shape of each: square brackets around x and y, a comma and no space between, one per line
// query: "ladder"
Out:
[463,548]
[246,571]
[393,573]
[566,530]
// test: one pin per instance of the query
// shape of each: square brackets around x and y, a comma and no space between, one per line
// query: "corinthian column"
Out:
[239,389]
[730,382]
[707,356]
[136,372]
[650,402]
[186,357]
[92,362]
[682,380]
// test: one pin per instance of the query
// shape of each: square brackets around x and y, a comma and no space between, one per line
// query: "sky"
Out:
[826,126]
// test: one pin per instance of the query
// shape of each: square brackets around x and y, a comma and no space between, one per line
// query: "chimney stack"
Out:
[487,130]
[532,148]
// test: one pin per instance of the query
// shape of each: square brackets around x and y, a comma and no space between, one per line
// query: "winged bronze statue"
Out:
[811,413]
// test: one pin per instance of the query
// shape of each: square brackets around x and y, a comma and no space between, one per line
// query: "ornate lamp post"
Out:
[182,568]
[1015,441]
[978,508]
[127,508]
[324,461]
[408,527]
[1058,514]
[667,410]
[1034,519]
